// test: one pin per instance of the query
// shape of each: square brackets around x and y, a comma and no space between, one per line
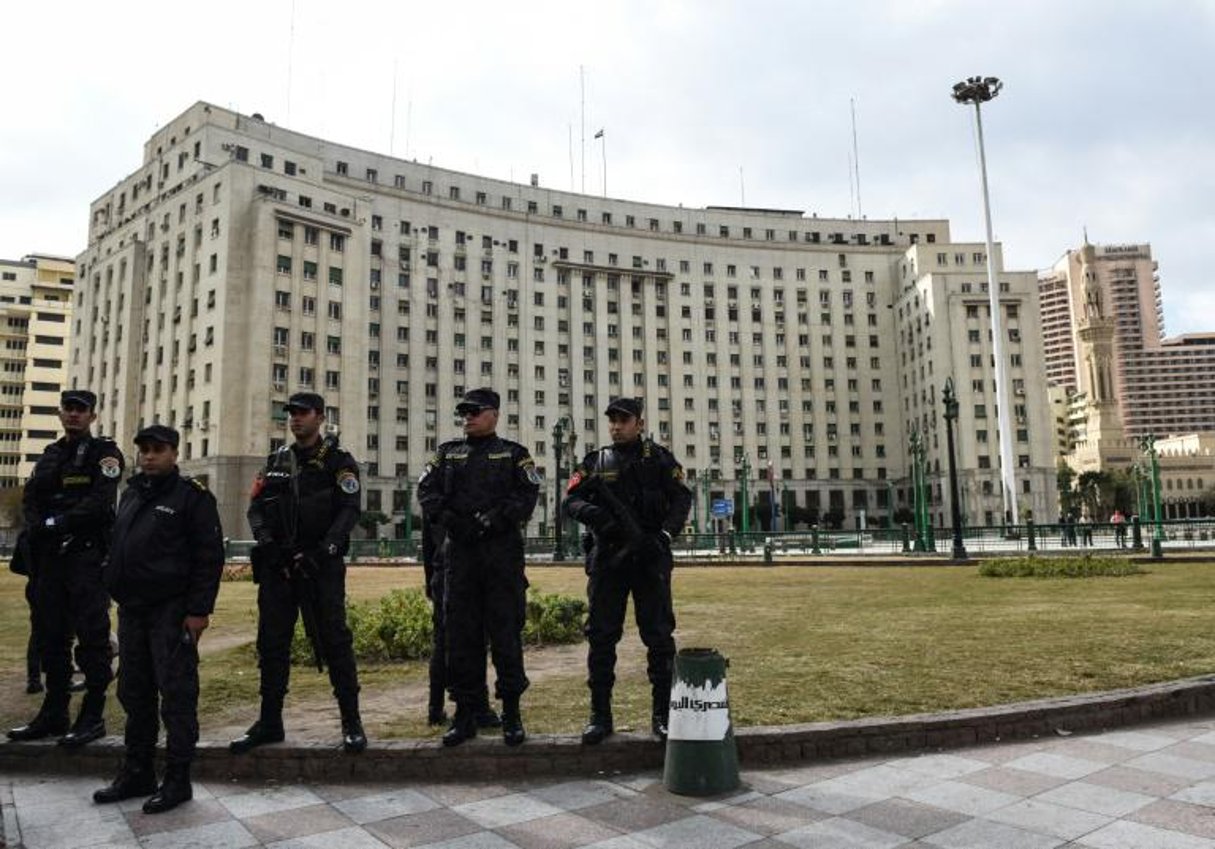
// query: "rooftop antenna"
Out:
[570,127]
[856,161]
[582,96]
[392,126]
[290,58]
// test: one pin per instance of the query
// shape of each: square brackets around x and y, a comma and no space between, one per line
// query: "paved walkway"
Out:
[1148,788]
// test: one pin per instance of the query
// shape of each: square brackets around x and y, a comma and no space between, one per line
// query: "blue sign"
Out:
[722,508]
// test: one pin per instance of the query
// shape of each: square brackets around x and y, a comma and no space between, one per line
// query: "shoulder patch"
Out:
[533,476]
[259,483]
[677,473]
[110,467]
[199,485]
[348,482]
[576,478]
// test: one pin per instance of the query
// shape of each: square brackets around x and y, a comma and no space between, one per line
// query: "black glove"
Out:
[660,542]
[493,521]
[461,528]
[307,562]
[596,518]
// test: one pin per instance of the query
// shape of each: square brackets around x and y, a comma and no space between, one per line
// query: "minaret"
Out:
[1095,337]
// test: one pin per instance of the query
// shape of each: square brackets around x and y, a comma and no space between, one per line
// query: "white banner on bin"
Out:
[699,713]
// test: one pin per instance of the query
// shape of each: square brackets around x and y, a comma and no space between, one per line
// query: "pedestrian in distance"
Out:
[163,569]
[632,496]
[303,506]
[481,490]
[68,506]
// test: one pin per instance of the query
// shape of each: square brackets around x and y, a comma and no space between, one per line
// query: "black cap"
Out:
[625,406]
[476,400]
[305,401]
[158,433]
[78,396]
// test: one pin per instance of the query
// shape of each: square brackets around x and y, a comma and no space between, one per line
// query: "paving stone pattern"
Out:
[1148,788]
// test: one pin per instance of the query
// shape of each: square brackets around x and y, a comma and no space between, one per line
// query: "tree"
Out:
[834,518]
[904,516]
[1069,501]
[370,520]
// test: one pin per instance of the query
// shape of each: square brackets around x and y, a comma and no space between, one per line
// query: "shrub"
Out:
[237,572]
[1086,566]
[398,626]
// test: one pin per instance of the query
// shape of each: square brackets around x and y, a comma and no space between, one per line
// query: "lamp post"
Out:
[744,466]
[408,515]
[1148,443]
[916,484]
[977,91]
[951,416]
[559,429]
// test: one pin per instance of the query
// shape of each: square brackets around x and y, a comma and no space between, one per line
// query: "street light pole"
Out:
[1149,447]
[951,416]
[979,90]
[558,447]
[917,492]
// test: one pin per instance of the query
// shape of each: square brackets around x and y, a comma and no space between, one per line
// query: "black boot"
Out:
[435,715]
[175,790]
[599,726]
[267,729]
[353,738]
[136,778]
[463,727]
[487,717]
[90,722]
[50,721]
[660,710]
[512,723]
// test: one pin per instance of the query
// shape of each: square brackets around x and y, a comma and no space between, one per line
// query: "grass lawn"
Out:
[804,644]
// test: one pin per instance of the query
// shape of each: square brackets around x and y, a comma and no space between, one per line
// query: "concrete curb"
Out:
[486,759]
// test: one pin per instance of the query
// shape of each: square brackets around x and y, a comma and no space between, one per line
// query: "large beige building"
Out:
[1158,385]
[243,261]
[35,316]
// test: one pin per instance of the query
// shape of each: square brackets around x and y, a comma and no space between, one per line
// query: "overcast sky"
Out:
[1105,120]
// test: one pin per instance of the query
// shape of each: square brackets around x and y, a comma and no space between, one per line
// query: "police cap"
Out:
[305,401]
[78,396]
[476,400]
[158,433]
[625,407]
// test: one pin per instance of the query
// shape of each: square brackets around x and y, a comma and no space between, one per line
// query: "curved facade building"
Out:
[242,262]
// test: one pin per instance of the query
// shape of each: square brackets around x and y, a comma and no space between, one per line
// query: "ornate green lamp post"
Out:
[951,416]
[559,446]
[1148,443]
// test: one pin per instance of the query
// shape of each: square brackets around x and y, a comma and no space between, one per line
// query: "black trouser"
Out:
[438,653]
[33,662]
[71,601]
[648,579]
[157,669]
[486,596]
[278,605]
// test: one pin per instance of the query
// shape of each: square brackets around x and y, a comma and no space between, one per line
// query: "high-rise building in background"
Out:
[243,261]
[35,317]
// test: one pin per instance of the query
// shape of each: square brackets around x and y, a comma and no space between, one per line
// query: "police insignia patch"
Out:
[575,479]
[532,475]
[677,473]
[348,483]
[110,467]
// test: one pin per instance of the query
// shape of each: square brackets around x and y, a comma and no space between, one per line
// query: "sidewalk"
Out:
[1148,788]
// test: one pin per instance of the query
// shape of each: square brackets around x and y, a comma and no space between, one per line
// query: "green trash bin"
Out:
[701,757]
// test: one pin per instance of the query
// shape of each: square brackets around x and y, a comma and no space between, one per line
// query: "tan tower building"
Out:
[243,261]
[35,316]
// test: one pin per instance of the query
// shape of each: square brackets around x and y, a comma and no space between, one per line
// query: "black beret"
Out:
[158,433]
[305,401]
[625,406]
[476,400]
[78,396]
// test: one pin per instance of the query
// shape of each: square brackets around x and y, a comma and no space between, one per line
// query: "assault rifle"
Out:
[624,532]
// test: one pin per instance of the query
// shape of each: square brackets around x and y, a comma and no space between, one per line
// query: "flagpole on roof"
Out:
[602,136]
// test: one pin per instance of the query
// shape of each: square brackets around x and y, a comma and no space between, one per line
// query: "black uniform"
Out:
[305,501]
[164,565]
[480,490]
[647,481]
[69,510]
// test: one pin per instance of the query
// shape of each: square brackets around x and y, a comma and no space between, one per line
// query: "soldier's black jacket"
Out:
[307,497]
[76,484]
[167,543]
[472,476]
[646,478]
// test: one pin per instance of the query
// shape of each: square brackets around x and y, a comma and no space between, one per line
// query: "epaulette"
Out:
[199,485]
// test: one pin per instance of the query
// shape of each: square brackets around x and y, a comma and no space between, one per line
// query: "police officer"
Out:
[69,509]
[480,490]
[304,504]
[632,496]
[163,570]
[436,584]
